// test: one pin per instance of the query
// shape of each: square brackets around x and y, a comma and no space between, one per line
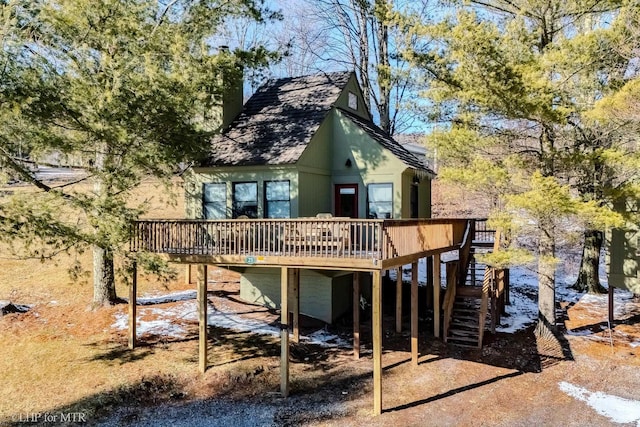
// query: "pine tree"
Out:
[128,88]
[515,81]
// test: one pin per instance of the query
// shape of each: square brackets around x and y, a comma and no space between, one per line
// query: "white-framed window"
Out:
[380,201]
[353,101]
[214,200]
[245,199]
[277,199]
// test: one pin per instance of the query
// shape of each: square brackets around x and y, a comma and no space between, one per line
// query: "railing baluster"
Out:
[326,238]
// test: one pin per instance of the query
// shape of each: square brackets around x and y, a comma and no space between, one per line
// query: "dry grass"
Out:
[63,355]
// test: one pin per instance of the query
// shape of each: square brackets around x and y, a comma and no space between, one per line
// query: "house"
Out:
[623,258]
[300,147]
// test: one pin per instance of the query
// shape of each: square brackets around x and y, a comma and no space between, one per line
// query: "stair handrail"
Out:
[487,289]
[452,268]
[465,252]
[499,280]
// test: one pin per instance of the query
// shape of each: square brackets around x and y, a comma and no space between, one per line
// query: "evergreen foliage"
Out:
[517,84]
[127,89]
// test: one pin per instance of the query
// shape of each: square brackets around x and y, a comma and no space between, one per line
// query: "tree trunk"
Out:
[104,284]
[588,276]
[384,77]
[546,327]
[362,12]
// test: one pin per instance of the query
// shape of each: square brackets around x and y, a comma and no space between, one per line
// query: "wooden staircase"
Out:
[475,292]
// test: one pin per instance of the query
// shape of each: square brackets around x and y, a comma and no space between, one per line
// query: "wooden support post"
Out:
[611,319]
[493,293]
[507,287]
[133,291]
[187,275]
[202,317]
[294,302]
[414,313]
[399,300]
[356,315]
[436,295]
[377,342]
[429,265]
[284,331]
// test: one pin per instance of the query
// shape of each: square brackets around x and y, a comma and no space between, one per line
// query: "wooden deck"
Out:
[350,244]
[369,246]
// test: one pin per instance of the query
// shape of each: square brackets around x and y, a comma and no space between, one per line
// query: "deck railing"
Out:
[404,237]
[330,238]
[483,236]
[303,237]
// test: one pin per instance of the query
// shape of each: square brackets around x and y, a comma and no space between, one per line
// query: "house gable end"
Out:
[351,97]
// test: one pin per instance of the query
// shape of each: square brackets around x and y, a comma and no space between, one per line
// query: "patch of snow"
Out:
[406,272]
[172,297]
[583,333]
[617,409]
[159,327]
[326,339]
[523,308]
[599,304]
[164,323]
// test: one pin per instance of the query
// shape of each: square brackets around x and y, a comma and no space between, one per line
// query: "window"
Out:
[214,200]
[245,199]
[277,202]
[380,201]
[353,101]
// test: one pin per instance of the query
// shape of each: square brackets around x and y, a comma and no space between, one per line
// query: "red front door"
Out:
[346,196]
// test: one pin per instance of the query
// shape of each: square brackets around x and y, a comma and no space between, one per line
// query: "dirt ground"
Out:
[62,358]
[511,381]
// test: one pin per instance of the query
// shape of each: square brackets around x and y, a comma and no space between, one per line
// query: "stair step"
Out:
[459,322]
[469,291]
[467,301]
[465,314]
[466,310]
[449,339]
[466,304]
[463,333]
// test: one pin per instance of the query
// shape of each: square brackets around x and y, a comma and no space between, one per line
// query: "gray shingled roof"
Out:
[278,121]
[389,143]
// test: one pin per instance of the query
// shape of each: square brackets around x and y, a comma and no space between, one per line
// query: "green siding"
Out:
[371,163]
[194,178]
[341,295]
[424,195]
[343,99]
[424,198]
[315,194]
[319,152]
[315,183]
[323,295]
[622,258]
[317,291]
